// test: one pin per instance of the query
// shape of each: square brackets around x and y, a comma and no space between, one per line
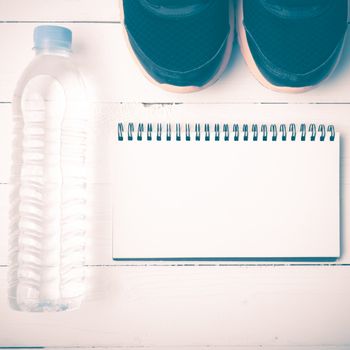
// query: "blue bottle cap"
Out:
[52,37]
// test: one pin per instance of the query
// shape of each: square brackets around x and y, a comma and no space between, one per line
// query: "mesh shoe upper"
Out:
[178,37]
[295,42]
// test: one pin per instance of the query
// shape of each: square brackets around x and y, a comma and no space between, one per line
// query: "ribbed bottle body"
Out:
[48,195]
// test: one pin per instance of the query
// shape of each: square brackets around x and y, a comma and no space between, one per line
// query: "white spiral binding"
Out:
[226,132]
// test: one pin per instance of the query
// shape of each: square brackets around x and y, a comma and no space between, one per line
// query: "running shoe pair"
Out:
[185,45]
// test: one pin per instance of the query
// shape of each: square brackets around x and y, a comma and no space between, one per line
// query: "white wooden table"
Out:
[166,305]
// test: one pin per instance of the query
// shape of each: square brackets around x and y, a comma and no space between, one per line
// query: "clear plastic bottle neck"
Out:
[53,52]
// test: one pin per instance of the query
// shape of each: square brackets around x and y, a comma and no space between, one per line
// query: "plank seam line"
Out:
[59,21]
[233,103]
[210,265]
[234,346]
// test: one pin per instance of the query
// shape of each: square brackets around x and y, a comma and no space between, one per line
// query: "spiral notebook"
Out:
[225,191]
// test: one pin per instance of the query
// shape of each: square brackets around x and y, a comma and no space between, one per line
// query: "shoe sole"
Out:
[243,43]
[184,89]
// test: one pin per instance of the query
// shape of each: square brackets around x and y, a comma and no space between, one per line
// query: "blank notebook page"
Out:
[222,199]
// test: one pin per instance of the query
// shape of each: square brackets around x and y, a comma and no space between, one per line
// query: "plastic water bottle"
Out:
[48,197]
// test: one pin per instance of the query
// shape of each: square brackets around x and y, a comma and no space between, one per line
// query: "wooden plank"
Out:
[99,232]
[5,141]
[182,306]
[112,76]
[63,11]
[104,116]
[102,131]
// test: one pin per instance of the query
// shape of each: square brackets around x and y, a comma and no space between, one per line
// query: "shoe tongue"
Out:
[296,9]
[175,7]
